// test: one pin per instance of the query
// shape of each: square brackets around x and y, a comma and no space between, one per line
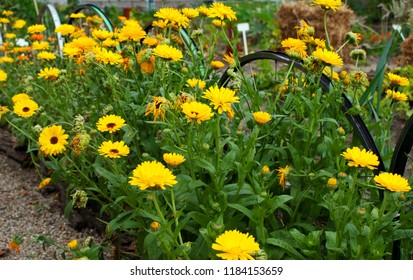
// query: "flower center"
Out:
[111,125]
[194,113]
[114,151]
[26,109]
[54,140]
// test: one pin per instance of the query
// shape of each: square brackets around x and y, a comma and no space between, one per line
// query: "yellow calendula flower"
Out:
[3,76]
[261,117]
[173,159]
[229,58]
[195,111]
[396,96]
[25,108]
[362,158]
[19,24]
[110,123]
[172,16]
[168,52]
[113,149]
[392,182]
[65,29]
[235,245]
[327,4]
[217,64]
[190,13]
[36,28]
[10,35]
[52,140]
[332,182]
[131,31]
[222,12]
[150,41]
[152,175]
[221,99]
[85,44]
[398,80]
[44,183]
[155,226]
[105,56]
[20,97]
[49,73]
[73,244]
[46,56]
[40,45]
[282,175]
[265,169]
[101,34]
[295,45]
[218,23]
[330,58]
[77,15]
[6,59]
[196,83]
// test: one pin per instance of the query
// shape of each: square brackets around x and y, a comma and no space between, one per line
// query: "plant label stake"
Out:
[243,28]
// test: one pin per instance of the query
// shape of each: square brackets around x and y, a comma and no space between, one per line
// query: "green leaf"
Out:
[243,210]
[205,165]
[286,247]
[122,221]
[112,178]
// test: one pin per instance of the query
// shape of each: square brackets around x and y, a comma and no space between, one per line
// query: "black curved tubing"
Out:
[355,120]
[402,150]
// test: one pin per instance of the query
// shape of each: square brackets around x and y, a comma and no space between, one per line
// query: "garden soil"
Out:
[28,212]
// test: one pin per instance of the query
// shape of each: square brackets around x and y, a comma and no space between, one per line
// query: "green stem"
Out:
[328,46]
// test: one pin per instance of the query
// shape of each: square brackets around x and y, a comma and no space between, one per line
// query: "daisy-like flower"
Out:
[222,12]
[235,245]
[398,80]
[229,58]
[110,123]
[168,52]
[195,111]
[40,45]
[10,35]
[150,41]
[261,117]
[221,98]
[19,24]
[327,4]
[36,28]
[77,15]
[218,23]
[396,96]
[172,16]
[65,29]
[217,64]
[105,56]
[101,34]
[152,175]
[173,159]
[25,108]
[20,97]
[295,45]
[203,10]
[85,44]
[265,169]
[282,175]
[44,183]
[132,32]
[157,107]
[332,182]
[362,158]
[194,82]
[190,13]
[113,149]
[52,140]
[46,56]
[49,73]
[330,58]
[3,76]
[6,59]
[392,182]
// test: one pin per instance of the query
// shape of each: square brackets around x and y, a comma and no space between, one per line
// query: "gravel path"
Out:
[28,212]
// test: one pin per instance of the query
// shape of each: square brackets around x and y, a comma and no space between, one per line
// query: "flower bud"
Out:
[358,54]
